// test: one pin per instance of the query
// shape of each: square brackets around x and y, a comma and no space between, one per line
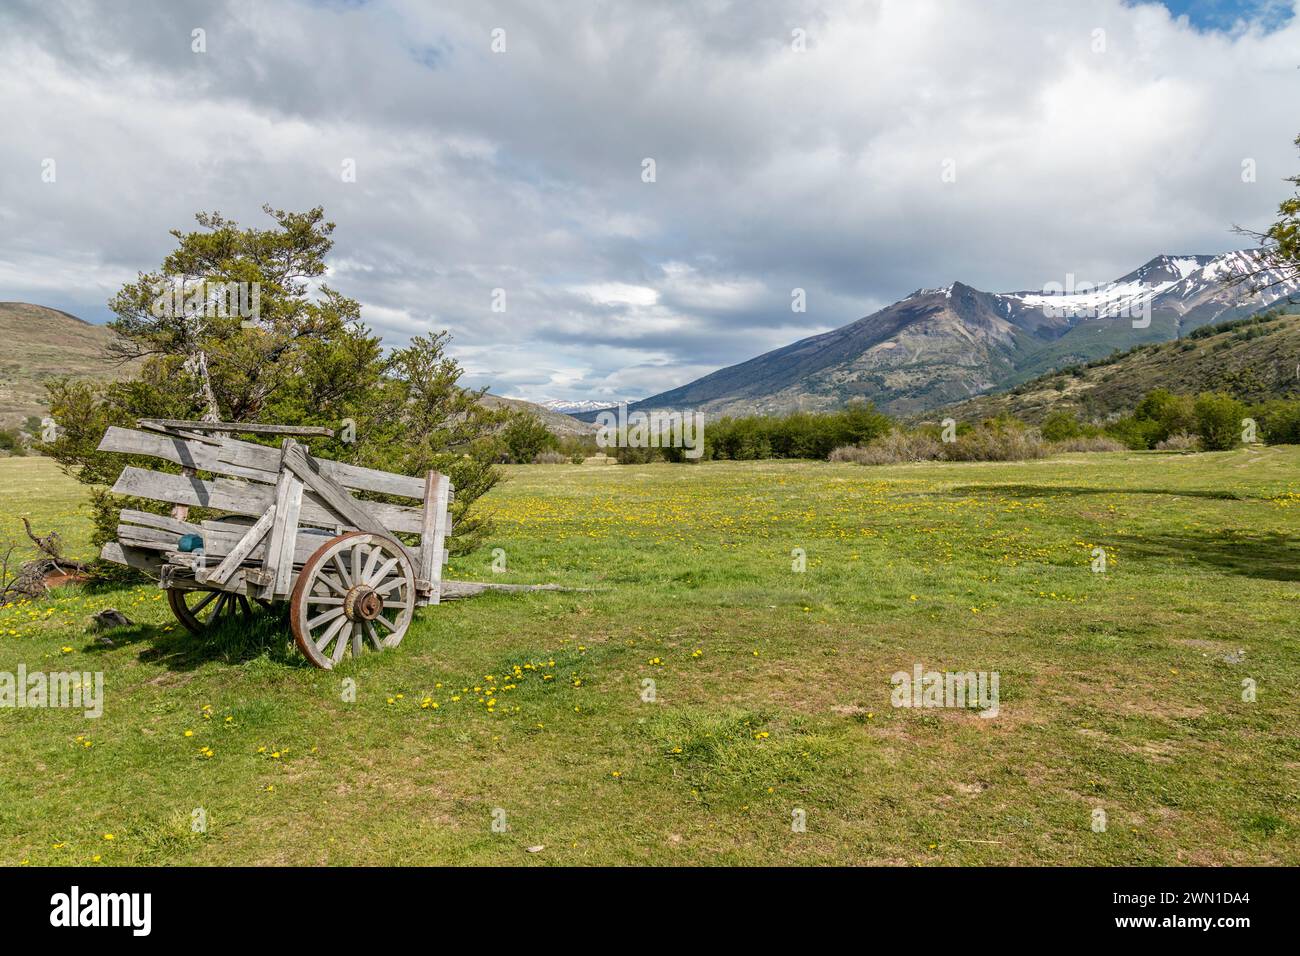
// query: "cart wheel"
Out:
[201,609]
[357,589]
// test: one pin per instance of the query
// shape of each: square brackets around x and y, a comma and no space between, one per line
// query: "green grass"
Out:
[771,687]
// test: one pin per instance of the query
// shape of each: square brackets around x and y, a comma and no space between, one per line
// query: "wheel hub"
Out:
[362,604]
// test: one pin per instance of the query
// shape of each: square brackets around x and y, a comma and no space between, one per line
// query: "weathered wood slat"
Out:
[245,498]
[161,522]
[219,539]
[131,557]
[226,569]
[347,509]
[247,428]
[433,534]
[279,549]
[179,451]
[247,455]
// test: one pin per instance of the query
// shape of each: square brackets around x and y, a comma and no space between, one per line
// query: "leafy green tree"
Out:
[1218,420]
[525,437]
[302,356]
[1168,413]
[1279,421]
[1061,425]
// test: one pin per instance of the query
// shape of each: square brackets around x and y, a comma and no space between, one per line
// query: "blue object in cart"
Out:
[190,542]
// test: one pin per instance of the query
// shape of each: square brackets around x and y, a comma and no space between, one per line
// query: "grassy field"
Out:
[1119,690]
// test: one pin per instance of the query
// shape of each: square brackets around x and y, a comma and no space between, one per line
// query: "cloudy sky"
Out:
[855,150]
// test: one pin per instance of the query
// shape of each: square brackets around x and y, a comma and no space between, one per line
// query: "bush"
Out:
[525,437]
[1133,432]
[551,458]
[1167,413]
[1088,443]
[1218,420]
[799,435]
[1061,425]
[12,442]
[1279,422]
[996,441]
[892,448]
[1180,442]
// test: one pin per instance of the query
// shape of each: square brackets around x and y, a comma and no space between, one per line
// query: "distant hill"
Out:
[559,423]
[939,346]
[42,343]
[1254,359]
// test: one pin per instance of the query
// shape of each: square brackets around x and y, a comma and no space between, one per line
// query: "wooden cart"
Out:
[290,529]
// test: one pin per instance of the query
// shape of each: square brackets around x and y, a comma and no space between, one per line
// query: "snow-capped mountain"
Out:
[938,346]
[574,408]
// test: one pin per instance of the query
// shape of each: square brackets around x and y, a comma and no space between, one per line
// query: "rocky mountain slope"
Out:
[938,346]
[1255,360]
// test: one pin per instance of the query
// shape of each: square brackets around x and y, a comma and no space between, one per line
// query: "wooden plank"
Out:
[186,453]
[226,569]
[248,455]
[359,515]
[188,436]
[434,535]
[162,522]
[132,558]
[247,428]
[246,498]
[347,509]
[278,561]
[219,539]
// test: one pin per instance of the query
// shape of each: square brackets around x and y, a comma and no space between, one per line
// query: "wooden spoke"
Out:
[199,610]
[349,589]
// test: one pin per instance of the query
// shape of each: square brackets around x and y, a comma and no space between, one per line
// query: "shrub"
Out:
[1218,420]
[892,449]
[1088,443]
[1279,422]
[895,447]
[799,435]
[1168,414]
[1061,425]
[525,437]
[12,442]
[1180,442]
[999,440]
[1133,432]
[551,458]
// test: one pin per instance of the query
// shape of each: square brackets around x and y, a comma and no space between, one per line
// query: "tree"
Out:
[232,327]
[525,437]
[1218,420]
[1169,414]
[1061,425]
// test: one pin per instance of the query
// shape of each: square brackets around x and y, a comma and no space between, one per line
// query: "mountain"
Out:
[1254,359]
[938,346]
[575,408]
[559,423]
[41,344]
